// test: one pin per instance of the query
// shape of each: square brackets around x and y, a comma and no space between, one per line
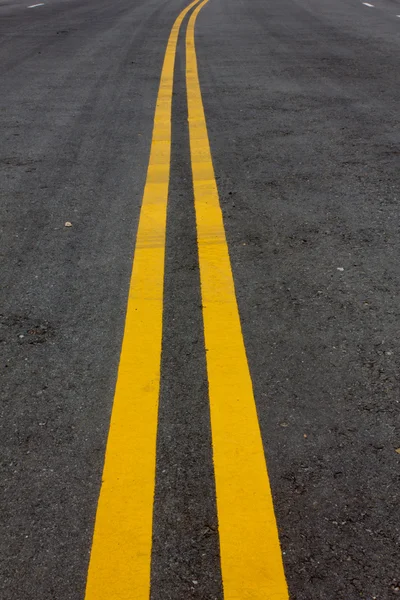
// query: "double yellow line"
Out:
[120,559]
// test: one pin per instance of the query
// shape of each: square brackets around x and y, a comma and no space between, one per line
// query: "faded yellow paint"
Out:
[119,567]
[251,560]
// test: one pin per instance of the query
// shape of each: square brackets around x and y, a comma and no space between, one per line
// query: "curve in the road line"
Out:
[121,549]
[251,560]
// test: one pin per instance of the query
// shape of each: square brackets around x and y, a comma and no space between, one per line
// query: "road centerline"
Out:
[251,560]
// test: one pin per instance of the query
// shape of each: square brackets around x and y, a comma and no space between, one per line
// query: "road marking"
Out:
[35,5]
[120,559]
[251,560]
[370,5]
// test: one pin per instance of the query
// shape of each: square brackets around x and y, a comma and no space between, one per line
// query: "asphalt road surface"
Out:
[301,100]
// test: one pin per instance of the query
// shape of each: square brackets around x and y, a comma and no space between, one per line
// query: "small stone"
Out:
[68,224]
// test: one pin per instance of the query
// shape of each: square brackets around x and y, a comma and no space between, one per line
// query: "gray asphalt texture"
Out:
[302,104]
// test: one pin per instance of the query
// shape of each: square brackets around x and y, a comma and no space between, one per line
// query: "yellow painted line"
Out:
[251,560]
[119,567]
